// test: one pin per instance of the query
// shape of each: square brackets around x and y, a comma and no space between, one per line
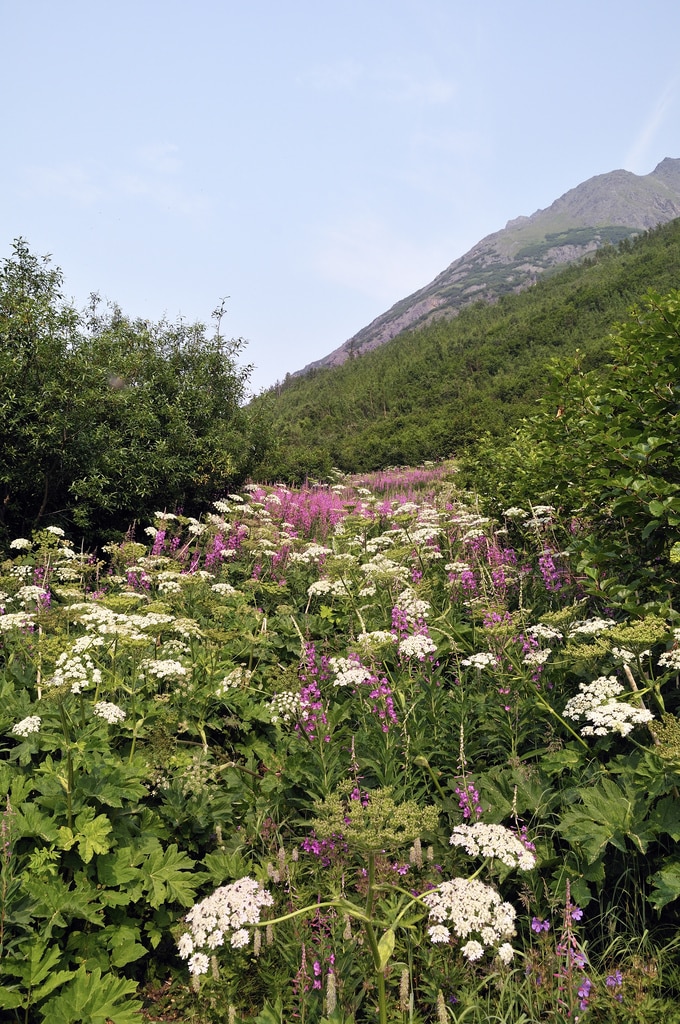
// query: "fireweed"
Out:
[217,699]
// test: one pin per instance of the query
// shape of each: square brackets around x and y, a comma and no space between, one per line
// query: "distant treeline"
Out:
[435,392]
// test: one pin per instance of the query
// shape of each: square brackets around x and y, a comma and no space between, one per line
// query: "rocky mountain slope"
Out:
[605,209]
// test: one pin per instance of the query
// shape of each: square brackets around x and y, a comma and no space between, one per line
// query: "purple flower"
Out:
[538,925]
[576,913]
[614,980]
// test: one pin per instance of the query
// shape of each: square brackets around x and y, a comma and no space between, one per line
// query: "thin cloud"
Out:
[637,157]
[367,257]
[153,175]
[393,85]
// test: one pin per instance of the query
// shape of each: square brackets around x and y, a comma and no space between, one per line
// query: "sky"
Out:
[310,162]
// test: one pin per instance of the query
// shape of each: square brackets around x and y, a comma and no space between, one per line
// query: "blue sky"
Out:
[314,162]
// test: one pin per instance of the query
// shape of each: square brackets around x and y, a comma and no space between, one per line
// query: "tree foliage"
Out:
[105,418]
[435,392]
[604,445]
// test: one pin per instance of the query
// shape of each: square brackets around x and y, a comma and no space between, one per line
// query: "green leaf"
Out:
[168,875]
[665,818]
[607,815]
[91,835]
[94,999]
[666,885]
[386,948]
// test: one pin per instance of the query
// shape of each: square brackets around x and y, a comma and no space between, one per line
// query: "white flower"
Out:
[505,953]
[164,668]
[56,530]
[109,712]
[240,938]
[439,933]
[480,661]
[589,627]
[20,544]
[349,672]
[77,671]
[239,676]
[417,646]
[285,706]
[223,589]
[537,657]
[379,637]
[413,607]
[223,914]
[481,840]
[185,945]
[471,907]
[199,964]
[325,587]
[670,659]
[544,632]
[473,950]
[27,725]
[606,715]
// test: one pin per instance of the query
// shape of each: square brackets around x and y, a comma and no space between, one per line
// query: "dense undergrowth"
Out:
[435,392]
[448,766]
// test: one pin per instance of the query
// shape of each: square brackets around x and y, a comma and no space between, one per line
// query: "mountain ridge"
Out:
[604,209]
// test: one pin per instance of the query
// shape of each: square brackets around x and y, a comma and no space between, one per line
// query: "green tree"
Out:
[106,418]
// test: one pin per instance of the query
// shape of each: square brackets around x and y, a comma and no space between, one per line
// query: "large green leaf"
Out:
[607,815]
[666,885]
[94,999]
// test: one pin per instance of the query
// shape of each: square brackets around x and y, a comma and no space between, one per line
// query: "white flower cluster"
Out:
[589,627]
[238,677]
[21,572]
[544,632]
[480,661]
[20,544]
[537,657]
[670,660]
[481,840]
[222,915]
[77,671]
[470,907]
[285,706]
[382,569]
[628,656]
[377,638]
[223,589]
[325,587]
[104,621]
[30,593]
[111,713]
[606,715]
[172,586]
[27,725]
[375,543]
[164,668]
[311,554]
[348,672]
[16,620]
[412,606]
[515,513]
[417,646]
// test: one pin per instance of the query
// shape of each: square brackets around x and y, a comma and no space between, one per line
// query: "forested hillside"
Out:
[435,392]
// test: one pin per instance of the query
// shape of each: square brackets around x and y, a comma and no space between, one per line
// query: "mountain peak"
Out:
[603,210]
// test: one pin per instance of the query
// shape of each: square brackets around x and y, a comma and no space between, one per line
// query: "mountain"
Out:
[438,390]
[602,210]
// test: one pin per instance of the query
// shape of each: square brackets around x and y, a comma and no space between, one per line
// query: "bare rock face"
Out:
[603,210]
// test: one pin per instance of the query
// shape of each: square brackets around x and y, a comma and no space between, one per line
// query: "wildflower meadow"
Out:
[358,751]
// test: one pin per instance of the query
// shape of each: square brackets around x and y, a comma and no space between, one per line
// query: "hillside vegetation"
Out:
[433,393]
